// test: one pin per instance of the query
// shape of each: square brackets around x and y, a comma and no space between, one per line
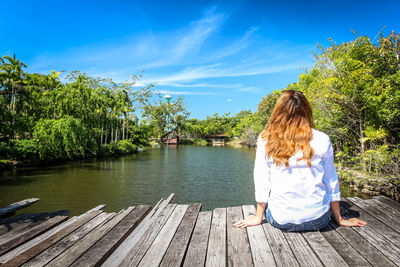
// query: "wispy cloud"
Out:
[191,41]
[219,70]
[206,85]
[171,92]
[237,46]
[187,57]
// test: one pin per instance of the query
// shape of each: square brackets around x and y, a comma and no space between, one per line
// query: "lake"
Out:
[213,176]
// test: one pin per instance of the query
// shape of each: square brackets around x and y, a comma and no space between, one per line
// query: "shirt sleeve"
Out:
[330,177]
[262,179]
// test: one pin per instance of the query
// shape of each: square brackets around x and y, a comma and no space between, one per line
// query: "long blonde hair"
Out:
[289,129]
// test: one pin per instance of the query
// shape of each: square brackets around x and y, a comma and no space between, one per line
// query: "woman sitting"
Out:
[296,183]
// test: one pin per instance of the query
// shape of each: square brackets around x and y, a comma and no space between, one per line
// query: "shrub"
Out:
[196,142]
[4,150]
[249,136]
[382,160]
[126,146]
[25,149]
[200,142]
[110,149]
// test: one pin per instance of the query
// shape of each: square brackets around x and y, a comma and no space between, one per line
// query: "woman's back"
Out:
[299,193]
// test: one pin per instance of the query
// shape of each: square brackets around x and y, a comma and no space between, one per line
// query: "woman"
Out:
[296,183]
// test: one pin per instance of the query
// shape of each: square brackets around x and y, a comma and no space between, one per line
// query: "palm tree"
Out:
[11,76]
[11,79]
[373,135]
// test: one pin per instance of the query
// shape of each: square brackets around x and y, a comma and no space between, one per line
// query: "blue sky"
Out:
[222,56]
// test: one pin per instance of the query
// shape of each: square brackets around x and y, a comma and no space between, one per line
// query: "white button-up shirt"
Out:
[297,193]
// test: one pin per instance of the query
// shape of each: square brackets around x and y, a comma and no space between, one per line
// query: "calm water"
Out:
[214,176]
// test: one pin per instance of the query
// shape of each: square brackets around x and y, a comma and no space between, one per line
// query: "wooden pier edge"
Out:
[183,235]
[10,209]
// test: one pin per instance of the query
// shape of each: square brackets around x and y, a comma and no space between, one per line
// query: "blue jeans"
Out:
[313,225]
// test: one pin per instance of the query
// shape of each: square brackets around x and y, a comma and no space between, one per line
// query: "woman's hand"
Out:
[344,222]
[250,221]
[352,222]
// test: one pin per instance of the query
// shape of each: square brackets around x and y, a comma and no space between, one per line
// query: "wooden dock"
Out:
[182,235]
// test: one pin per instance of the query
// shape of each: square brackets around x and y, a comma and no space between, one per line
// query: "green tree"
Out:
[266,106]
[67,137]
[164,116]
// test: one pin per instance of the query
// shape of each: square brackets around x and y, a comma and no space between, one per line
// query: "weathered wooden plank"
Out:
[177,248]
[160,245]
[6,223]
[384,245]
[260,249]
[376,224]
[27,245]
[387,208]
[122,251]
[393,213]
[136,253]
[216,252]
[281,250]
[301,249]
[10,226]
[50,240]
[196,254]
[378,212]
[16,206]
[54,250]
[74,252]
[239,253]
[394,204]
[32,233]
[21,249]
[27,225]
[344,248]
[98,253]
[99,207]
[326,253]
[366,250]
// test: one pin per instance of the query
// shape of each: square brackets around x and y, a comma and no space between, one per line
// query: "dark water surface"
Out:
[213,176]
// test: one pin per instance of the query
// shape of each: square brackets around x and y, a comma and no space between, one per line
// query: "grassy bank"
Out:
[23,155]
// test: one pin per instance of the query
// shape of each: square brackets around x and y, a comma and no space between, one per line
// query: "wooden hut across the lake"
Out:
[219,139]
[171,138]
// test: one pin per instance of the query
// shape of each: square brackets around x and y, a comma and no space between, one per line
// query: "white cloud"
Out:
[217,85]
[170,92]
[236,47]
[201,29]
[219,70]
[188,44]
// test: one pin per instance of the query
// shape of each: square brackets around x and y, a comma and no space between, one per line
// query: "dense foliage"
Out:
[49,119]
[354,89]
